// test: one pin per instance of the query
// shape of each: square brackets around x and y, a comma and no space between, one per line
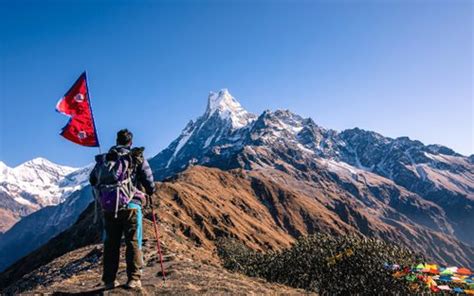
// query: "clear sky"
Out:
[400,68]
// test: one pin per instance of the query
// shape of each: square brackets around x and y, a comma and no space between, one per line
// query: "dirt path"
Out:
[79,273]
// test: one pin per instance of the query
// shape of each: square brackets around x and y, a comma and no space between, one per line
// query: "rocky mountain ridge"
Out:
[281,140]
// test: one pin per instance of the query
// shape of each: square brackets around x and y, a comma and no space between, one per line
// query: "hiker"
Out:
[117,179]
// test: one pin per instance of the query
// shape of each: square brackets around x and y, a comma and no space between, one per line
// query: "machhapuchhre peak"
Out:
[242,197]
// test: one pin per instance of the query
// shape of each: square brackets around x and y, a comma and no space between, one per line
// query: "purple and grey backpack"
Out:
[114,188]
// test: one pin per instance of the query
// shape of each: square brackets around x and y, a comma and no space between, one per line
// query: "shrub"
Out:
[326,264]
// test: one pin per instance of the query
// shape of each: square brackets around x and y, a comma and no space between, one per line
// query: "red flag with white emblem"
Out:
[76,104]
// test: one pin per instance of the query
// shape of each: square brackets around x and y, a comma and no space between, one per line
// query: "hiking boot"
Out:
[134,284]
[111,285]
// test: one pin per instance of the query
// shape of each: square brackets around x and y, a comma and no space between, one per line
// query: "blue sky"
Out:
[401,68]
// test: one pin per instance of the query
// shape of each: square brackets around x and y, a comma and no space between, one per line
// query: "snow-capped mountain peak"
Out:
[42,163]
[38,171]
[287,120]
[38,161]
[228,108]
[224,120]
[3,168]
[37,183]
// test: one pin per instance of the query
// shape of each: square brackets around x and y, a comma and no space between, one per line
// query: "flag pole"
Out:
[92,114]
[94,191]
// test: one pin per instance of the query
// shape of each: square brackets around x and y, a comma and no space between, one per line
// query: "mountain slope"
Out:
[266,211]
[38,228]
[64,261]
[285,141]
[33,185]
[279,176]
[269,209]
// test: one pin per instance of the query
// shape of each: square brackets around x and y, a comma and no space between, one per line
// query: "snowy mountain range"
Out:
[391,188]
[226,136]
[33,185]
[226,128]
[38,199]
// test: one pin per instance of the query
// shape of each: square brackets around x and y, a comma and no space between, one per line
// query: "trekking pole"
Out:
[158,242]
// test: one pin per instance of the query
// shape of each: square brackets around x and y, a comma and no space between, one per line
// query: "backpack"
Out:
[113,173]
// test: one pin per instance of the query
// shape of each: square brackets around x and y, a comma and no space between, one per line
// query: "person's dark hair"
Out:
[124,137]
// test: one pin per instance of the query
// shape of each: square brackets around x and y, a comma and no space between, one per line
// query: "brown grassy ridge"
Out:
[266,210]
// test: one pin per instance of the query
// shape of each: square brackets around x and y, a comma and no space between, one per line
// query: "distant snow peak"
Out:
[228,108]
[37,161]
[3,167]
[222,101]
[290,121]
[43,182]
[44,164]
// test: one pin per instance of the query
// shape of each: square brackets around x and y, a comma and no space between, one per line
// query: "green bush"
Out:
[326,264]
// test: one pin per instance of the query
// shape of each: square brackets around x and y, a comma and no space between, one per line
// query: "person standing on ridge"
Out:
[116,179]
